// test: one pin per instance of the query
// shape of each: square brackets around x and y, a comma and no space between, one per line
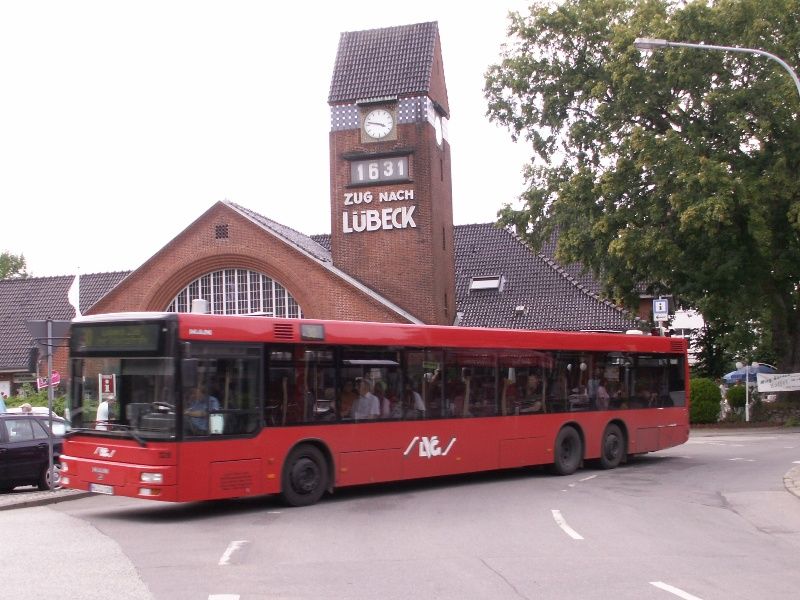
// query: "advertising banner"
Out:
[778,382]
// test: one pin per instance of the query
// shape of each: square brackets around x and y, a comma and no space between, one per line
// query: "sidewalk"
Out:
[29,496]
[23,497]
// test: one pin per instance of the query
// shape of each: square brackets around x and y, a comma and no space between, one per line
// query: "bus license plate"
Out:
[99,488]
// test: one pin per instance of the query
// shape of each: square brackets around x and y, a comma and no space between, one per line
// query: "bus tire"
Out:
[305,476]
[568,451]
[612,450]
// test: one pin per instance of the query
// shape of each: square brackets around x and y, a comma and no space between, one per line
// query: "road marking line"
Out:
[796,462]
[673,590]
[232,547]
[563,524]
[743,459]
[223,597]
[588,478]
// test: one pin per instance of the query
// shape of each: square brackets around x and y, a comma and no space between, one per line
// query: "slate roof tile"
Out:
[377,63]
[42,298]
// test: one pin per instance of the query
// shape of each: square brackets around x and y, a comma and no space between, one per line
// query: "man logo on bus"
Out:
[104,452]
[429,446]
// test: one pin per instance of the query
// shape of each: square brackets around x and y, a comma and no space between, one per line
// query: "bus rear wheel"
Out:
[568,451]
[613,448]
[305,476]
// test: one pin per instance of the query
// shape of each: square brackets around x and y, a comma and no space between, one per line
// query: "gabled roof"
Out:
[288,234]
[42,298]
[378,63]
[536,293]
[552,297]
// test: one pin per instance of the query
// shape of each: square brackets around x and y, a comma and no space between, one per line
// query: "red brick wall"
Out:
[413,267]
[195,251]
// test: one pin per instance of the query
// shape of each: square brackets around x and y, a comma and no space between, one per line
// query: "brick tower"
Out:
[391,188]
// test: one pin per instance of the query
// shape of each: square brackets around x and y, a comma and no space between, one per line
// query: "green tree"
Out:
[675,170]
[12,265]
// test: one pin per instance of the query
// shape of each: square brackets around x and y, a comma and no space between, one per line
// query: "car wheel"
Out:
[44,480]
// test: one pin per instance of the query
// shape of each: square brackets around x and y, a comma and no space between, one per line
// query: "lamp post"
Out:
[656,44]
[740,365]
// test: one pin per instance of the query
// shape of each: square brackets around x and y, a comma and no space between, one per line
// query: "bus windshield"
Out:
[133,396]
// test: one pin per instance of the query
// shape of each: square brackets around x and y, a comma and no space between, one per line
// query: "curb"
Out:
[792,481]
[27,499]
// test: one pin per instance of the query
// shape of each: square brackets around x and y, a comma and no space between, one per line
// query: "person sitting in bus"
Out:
[602,397]
[413,405]
[391,408]
[200,404]
[366,405]
[347,398]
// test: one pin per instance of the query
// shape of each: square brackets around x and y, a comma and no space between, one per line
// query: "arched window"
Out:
[238,292]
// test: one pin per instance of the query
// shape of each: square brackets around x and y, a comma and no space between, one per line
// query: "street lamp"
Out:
[740,365]
[656,44]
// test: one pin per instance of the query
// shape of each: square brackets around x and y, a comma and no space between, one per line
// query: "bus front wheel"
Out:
[568,451]
[613,447]
[305,476]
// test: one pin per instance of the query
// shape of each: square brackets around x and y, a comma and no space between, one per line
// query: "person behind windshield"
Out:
[199,405]
[104,410]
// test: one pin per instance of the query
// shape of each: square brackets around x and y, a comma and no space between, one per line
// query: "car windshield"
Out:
[119,396]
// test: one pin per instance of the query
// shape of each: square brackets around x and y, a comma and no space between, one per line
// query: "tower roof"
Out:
[380,63]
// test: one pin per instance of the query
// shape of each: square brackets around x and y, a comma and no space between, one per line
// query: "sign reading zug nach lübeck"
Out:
[356,217]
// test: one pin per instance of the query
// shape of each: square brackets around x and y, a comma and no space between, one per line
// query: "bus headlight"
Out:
[149,492]
[152,478]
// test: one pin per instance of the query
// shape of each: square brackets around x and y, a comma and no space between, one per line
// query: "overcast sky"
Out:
[122,122]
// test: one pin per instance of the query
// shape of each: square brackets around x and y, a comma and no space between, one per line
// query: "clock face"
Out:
[378,123]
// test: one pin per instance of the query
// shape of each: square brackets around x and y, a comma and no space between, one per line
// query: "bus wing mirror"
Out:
[189,372]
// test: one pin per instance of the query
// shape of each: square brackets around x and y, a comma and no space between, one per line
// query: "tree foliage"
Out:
[676,170]
[12,265]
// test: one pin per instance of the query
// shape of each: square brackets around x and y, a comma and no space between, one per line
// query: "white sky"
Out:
[122,122]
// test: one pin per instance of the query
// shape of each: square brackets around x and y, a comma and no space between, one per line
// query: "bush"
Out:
[705,401]
[736,396]
[37,398]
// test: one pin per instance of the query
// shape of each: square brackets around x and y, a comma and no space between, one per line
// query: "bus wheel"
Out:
[613,448]
[568,451]
[305,476]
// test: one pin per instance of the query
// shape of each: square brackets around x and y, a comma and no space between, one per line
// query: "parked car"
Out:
[24,449]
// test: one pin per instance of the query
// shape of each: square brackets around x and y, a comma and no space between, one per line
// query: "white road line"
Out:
[743,459]
[796,462]
[223,597]
[563,524]
[673,590]
[588,478]
[232,547]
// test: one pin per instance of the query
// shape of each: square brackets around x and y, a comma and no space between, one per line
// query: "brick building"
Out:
[393,253]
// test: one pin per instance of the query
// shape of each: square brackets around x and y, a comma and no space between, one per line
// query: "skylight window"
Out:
[487,283]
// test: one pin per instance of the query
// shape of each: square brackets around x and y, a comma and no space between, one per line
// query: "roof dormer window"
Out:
[495,282]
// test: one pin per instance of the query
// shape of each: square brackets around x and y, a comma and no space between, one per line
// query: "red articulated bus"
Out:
[184,407]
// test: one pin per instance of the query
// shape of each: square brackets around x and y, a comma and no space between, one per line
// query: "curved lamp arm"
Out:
[654,44]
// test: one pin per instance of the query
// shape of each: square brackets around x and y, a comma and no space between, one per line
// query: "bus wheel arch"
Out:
[568,449]
[306,473]
[613,446]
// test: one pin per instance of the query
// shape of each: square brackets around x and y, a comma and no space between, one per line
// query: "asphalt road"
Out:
[712,519]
